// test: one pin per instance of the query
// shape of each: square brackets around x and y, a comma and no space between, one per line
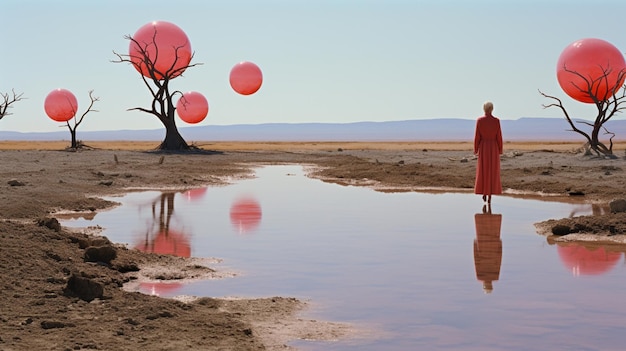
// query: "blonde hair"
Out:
[488,107]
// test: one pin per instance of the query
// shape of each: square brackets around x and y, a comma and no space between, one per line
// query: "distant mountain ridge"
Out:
[441,129]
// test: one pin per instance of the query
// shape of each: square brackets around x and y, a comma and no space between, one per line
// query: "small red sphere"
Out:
[246,78]
[192,107]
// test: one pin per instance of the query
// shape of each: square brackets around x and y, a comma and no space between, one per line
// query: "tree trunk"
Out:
[173,140]
[596,145]
[74,142]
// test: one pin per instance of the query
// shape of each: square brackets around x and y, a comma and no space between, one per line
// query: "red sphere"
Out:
[592,59]
[192,107]
[60,105]
[246,78]
[162,46]
[245,214]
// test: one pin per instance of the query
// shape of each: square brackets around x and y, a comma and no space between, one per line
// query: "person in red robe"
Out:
[488,148]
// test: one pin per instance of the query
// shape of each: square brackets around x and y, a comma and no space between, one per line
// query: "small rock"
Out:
[561,229]
[104,254]
[576,193]
[106,182]
[51,223]
[127,267]
[84,288]
[15,182]
[618,205]
[54,324]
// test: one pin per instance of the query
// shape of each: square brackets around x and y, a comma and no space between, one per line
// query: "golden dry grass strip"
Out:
[556,146]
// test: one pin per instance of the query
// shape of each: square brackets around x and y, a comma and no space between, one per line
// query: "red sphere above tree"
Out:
[160,48]
[61,105]
[589,68]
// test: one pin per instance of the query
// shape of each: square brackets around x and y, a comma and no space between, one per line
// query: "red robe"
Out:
[488,147]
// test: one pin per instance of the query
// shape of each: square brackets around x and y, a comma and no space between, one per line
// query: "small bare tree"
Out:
[7,101]
[78,121]
[607,107]
[158,83]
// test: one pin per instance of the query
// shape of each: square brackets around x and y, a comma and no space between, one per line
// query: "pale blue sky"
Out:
[322,61]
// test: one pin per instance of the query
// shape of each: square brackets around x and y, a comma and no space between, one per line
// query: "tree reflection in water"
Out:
[161,238]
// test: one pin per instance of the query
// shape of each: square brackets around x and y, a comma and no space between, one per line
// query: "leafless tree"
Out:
[78,121]
[607,107]
[7,101]
[159,85]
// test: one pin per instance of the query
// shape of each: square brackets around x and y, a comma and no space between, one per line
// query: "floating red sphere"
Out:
[590,67]
[61,105]
[246,78]
[192,107]
[160,46]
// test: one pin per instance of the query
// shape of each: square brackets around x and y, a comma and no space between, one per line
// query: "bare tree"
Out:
[7,101]
[159,85]
[607,107]
[78,121]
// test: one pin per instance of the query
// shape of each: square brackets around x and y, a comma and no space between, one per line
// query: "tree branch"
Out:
[559,104]
[92,99]
[7,101]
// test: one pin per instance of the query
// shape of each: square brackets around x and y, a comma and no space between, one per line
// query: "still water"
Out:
[419,271]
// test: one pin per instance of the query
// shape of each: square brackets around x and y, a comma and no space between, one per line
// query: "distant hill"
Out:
[442,129]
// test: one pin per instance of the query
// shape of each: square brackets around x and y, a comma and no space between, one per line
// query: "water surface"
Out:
[422,271]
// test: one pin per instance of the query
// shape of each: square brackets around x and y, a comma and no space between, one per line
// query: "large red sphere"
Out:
[192,107]
[162,46]
[61,105]
[245,214]
[599,68]
[246,78]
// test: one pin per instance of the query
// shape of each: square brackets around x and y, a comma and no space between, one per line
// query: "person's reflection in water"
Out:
[487,247]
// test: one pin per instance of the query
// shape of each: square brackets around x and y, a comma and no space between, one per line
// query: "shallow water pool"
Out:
[419,271]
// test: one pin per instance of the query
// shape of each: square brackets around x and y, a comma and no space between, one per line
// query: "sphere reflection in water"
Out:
[195,194]
[582,260]
[245,215]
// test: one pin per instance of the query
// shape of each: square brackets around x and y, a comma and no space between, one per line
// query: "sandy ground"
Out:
[62,289]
